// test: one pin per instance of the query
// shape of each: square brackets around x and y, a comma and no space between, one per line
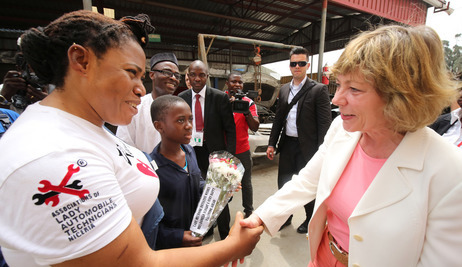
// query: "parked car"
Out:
[258,140]
[265,115]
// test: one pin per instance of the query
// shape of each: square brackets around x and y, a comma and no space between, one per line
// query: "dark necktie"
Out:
[198,115]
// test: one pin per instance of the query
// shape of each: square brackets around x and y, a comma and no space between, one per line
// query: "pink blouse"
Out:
[356,178]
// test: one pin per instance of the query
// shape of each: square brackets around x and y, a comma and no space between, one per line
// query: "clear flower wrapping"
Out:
[223,177]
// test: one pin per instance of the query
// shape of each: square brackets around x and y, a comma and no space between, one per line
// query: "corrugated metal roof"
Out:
[292,22]
[405,11]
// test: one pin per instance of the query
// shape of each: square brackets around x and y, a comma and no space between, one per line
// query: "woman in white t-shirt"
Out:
[73,194]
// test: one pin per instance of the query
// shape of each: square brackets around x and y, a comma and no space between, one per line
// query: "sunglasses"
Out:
[167,73]
[300,63]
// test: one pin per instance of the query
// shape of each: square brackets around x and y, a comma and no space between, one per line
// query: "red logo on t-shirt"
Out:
[51,192]
[144,168]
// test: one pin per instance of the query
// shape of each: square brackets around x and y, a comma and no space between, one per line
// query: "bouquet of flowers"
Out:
[223,177]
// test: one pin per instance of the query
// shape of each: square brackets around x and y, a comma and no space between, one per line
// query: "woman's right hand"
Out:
[252,221]
[246,238]
[131,249]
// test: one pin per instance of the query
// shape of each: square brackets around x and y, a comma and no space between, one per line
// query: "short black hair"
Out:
[161,106]
[236,73]
[299,51]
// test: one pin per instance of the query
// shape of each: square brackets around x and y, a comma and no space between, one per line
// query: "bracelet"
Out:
[4,101]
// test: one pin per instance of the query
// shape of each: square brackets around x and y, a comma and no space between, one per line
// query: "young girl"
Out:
[179,176]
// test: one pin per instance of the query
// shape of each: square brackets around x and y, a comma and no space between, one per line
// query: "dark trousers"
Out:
[291,161]
[2,260]
[246,183]
[202,155]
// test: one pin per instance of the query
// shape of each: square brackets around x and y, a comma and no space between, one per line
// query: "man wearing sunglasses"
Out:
[301,125]
[165,77]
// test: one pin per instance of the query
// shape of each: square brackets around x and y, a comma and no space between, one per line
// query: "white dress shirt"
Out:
[141,133]
[193,105]
[291,124]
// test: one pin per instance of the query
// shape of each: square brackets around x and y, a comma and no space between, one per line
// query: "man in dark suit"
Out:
[213,126]
[300,129]
[443,123]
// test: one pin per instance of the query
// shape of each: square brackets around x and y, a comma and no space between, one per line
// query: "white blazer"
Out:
[411,214]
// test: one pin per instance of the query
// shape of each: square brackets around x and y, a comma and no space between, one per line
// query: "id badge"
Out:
[197,139]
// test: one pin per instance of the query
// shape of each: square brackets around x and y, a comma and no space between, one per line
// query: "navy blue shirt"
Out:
[180,192]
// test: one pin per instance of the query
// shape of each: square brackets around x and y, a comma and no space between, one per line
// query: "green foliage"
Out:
[453,56]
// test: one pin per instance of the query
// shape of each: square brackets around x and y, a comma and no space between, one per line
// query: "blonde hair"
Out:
[406,66]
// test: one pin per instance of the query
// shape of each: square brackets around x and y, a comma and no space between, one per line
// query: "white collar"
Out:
[298,86]
[201,92]
[456,115]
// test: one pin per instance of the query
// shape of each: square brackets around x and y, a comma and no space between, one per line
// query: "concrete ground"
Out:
[287,248]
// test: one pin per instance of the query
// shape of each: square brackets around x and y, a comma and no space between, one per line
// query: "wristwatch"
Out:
[3,101]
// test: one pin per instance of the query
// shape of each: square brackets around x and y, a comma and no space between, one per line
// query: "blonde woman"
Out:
[388,189]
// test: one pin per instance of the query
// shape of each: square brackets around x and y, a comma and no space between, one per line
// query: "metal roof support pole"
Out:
[311,67]
[233,39]
[322,39]
[210,45]
[202,53]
